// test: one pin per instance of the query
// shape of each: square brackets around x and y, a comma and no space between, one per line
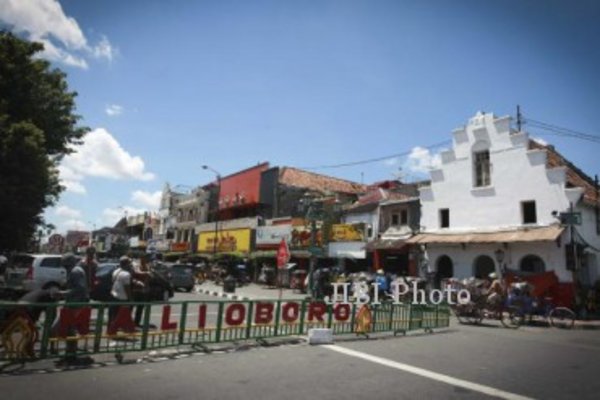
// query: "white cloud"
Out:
[72,224]
[102,156]
[421,161]
[53,53]
[46,22]
[113,110]
[67,212]
[149,200]
[104,49]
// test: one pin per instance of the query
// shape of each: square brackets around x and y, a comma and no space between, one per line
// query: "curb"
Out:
[586,326]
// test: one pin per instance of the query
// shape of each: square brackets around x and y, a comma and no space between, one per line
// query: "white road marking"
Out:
[430,374]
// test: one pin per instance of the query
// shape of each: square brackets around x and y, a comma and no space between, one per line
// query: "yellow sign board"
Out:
[231,240]
[346,233]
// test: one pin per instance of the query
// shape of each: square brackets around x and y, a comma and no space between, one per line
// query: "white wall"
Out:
[464,259]
[517,174]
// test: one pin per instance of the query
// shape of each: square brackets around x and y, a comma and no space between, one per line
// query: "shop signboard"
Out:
[242,188]
[301,235]
[180,246]
[347,233]
[231,240]
[271,236]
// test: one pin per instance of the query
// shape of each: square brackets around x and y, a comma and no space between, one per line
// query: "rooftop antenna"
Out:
[519,118]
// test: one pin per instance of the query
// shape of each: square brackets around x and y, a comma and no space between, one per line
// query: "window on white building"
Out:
[532,263]
[444,218]
[528,212]
[482,168]
[404,217]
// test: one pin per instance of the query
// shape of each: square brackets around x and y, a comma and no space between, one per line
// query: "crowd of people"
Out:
[80,282]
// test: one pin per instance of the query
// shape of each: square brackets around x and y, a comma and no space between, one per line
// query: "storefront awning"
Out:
[273,254]
[386,244]
[544,234]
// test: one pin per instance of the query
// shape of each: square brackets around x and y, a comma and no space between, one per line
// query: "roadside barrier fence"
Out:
[37,331]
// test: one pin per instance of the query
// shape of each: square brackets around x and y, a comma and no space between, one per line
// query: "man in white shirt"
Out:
[121,288]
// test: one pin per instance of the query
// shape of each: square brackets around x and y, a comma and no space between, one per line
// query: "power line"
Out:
[560,131]
[372,160]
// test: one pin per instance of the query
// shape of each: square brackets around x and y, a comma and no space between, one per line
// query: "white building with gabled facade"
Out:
[495,202]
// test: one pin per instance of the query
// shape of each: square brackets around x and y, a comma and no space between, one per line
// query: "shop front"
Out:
[393,256]
[347,247]
[229,241]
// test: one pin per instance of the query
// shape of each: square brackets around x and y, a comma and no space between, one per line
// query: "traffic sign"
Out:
[570,218]
[56,240]
[283,254]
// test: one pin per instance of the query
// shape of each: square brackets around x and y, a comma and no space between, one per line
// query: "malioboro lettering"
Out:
[369,294]
[234,315]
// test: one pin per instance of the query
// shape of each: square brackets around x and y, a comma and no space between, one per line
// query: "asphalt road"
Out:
[460,362]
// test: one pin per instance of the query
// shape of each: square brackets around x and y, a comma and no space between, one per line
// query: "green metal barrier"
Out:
[86,328]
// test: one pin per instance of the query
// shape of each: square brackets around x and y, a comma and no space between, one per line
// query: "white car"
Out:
[27,272]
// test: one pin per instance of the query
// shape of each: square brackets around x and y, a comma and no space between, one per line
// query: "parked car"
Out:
[27,272]
[182,276]
[160,287]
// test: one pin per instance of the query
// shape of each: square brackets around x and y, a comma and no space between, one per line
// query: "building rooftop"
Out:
[303,179]
[575,176]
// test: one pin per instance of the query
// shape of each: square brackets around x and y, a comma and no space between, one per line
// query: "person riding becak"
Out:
[495,292]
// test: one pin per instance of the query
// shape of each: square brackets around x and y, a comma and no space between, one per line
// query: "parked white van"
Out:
[27,272]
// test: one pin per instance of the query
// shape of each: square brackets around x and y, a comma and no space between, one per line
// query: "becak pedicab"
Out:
[541,295]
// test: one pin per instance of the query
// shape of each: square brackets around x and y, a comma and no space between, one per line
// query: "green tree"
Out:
[38,125]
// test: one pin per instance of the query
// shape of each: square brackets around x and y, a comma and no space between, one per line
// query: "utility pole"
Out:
[313,257]
[597,204]
[519,118]
[575,260]
[218,194]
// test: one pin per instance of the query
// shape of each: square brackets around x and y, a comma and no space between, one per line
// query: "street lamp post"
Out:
[312,215]
[499,254]
[217,206]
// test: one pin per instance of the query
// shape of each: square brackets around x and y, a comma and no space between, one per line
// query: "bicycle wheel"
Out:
[476,316]
[562,317]
[469,317]
[512,317]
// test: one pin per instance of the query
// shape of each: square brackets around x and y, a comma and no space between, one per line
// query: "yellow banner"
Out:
[346,233]
[228,241]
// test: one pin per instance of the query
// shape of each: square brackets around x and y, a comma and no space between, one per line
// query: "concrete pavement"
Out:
[458,363]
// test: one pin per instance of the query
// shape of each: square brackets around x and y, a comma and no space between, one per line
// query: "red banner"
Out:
[283,254]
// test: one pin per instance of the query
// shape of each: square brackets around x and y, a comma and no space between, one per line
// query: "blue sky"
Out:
[168,87]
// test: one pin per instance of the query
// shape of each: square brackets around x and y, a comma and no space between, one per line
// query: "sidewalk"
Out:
[252,291]
[590,324]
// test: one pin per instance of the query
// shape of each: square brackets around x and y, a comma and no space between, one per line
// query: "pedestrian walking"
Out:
[90,265]
[142,293]
[121,288]
[77,291]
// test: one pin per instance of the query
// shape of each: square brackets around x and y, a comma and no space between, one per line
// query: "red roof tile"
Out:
[575,176]
[322,183]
